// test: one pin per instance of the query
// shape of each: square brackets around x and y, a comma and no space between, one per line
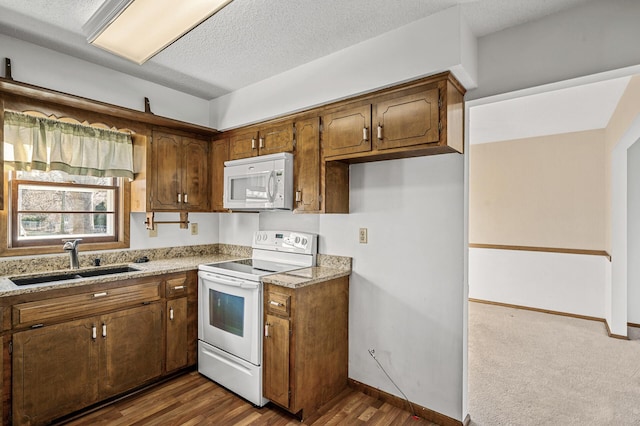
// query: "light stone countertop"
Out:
[306,276]
[151,268]
[293,279]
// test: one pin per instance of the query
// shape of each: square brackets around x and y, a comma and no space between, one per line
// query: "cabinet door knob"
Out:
[94,332]
[261,142]
[179,198]
[171,314]
[365,134]
[379,132]
[298,196]
[104,330]
[266,330]
[186,198]
[253,143]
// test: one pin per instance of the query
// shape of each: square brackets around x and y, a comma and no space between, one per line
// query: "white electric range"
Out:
[230,319]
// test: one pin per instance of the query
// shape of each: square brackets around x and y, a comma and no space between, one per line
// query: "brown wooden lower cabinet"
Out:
[75,359]
[305,344]
[65,367]
[177,345]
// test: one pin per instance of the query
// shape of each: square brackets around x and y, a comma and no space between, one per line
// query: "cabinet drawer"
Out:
[278,304]
[83,304]
[176,287]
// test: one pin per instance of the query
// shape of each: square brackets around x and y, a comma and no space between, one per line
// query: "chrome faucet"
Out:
[72,247]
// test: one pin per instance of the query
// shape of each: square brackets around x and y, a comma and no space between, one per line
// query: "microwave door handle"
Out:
[271,187]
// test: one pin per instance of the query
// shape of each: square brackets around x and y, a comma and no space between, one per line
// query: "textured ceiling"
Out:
[251,40]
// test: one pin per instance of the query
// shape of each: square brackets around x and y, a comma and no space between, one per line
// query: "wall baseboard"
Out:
[548,311]
[420,411]
[467,420]
[615,336]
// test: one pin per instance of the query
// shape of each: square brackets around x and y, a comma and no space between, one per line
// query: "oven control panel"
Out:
[290,241]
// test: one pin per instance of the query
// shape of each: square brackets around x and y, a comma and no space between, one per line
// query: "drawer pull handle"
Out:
[94,332]
[171,314]
[365,134]
[379,132]
[274,303]
[186,198]
[178,287]
[253,143]
[104,293]
[104,330]
[266,330]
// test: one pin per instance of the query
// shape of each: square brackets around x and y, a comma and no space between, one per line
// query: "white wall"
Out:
[430,45]
[170,235]
[585,40]
[237,228]
[561,282]
[52,70]
[406,290]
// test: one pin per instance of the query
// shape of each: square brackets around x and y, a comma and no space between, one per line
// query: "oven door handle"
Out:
[220,279]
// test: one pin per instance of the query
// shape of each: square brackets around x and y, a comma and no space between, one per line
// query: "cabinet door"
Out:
[55,371]
[177,346]
[195,177]
[220,154]
[131,348]
[166,172]
[243,145]
[408,120]
[276,360]
[276,139]
[347,131]
[307,166]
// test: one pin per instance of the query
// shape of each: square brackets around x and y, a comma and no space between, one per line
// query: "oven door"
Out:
[230,315]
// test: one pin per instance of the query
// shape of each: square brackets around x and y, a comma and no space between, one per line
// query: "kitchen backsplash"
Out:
[34,264]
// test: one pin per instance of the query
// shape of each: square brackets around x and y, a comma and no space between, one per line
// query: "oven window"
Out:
[226,312]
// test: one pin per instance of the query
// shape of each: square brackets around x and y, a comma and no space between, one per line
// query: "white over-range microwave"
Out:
[259,183]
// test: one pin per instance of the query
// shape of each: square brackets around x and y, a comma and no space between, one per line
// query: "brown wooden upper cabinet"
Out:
[408,120]
[268,140]
[179,178]
[347,130]
[306,176]
[411,121]
[219,154]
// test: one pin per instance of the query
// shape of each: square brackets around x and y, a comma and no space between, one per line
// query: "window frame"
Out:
[14,213]
[124,203]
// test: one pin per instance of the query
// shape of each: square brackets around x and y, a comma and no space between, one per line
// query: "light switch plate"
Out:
[153,232]
[363,236]
[194,229]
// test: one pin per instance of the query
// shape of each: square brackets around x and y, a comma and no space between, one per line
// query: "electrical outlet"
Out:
[153,232]
[363,236]
[194,229]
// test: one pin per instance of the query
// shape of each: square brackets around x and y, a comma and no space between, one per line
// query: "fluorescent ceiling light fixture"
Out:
[139,29]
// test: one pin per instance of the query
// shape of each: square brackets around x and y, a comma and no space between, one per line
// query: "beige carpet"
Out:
[530,368]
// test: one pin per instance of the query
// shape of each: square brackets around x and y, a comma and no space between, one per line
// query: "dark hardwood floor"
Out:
[192,399]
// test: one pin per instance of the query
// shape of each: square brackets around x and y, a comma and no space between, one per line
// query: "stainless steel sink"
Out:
[40,279]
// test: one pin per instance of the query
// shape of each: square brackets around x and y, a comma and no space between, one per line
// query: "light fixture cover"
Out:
[139,29]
